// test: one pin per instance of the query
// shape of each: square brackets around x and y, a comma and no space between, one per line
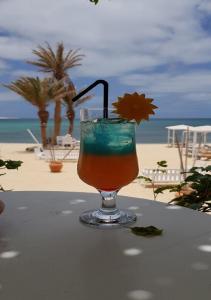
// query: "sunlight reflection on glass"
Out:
[173,207]
[139,214]
[133,207]
[205,248]
[9,254]
[77,201]
[22,207]
[199,266]
[140,295]
[132,251]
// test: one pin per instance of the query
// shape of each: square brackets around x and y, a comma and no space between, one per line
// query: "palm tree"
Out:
[57,63]
[39,92]
[70,105]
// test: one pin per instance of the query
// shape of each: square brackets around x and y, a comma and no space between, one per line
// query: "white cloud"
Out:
[29,73]
[9,96]
[15,48]
[3,66]
[116,35]
[188,82]
[98,64]
[205,6]
[129,40]
[13,74]
[202,97]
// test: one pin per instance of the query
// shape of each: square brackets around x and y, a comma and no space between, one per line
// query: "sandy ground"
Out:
[34,174]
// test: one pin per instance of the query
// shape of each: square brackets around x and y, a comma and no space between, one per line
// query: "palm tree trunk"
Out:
[43,116]
[57,121]
[43,127]
[71,117]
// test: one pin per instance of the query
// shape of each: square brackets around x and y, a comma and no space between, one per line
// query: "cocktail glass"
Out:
[107,161]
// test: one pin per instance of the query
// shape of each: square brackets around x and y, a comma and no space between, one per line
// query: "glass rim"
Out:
[123,121]
[96,108]
[96,114]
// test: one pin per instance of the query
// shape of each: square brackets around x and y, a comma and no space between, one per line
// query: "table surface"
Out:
[47,254]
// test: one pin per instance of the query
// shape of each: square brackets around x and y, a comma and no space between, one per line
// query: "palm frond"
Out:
[26,88]
[38,91]
[56,62]
[46,59]
[72,59]
[50,50]
[59,54]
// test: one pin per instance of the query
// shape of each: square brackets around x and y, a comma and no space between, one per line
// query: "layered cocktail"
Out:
[108,161]
[108,158]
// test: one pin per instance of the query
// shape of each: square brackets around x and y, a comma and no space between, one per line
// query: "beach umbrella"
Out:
[172,132]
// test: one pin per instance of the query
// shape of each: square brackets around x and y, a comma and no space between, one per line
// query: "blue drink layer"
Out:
[107,137]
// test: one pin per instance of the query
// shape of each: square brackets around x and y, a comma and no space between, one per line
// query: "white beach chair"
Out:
[35,139]
[71,155]
[40,154]
[38,150]
[64,155]
[169,176]
[67,141]
[59,140]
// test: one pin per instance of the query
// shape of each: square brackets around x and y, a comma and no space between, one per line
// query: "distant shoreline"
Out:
[150,132]
[8,118]
[175,118]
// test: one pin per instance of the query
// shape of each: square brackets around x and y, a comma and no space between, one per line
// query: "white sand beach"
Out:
[34,174]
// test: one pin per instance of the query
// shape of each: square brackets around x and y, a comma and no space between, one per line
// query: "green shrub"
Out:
[8,164]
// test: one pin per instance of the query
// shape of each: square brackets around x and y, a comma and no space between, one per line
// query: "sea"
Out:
[152,131]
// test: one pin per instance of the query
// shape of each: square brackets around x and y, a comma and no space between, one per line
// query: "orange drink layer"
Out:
[107,159]
[108,172]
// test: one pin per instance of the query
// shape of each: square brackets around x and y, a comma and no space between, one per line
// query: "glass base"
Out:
[102,218]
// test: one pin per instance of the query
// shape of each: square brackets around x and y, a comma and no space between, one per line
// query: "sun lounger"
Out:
[39,153]
[35,139]
[170,176]
[59,140]
[67,148]
[67,141]
[64,155]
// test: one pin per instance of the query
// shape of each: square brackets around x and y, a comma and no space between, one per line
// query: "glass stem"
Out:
[108,202]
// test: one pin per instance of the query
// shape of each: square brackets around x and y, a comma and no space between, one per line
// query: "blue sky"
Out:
[160,47]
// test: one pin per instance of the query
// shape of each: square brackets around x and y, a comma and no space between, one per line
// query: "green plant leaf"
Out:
[193,177]
[13,164]
[148,231]
[9,164]
[193,169]
[2,163]
[162,163]
[147,179]
[94,1]
[161,189]
[208,168]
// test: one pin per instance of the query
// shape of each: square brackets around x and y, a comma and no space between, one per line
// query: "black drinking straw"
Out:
[105,95]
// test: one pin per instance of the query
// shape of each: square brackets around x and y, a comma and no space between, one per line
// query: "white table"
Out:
[46,254]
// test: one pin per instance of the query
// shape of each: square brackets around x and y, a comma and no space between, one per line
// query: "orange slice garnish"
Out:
[134,107]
